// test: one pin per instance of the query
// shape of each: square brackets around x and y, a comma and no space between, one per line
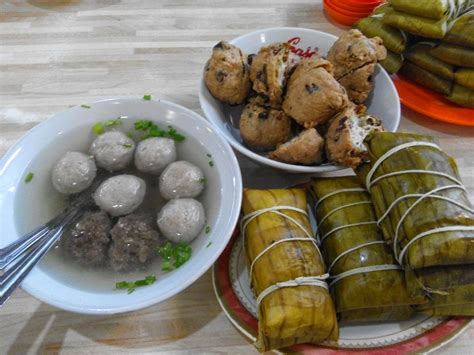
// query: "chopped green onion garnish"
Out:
[131,286]
[152,130]
[166,265]
[174,255]
[85,106]
[166,251]
[209,155]
[98,128]
[172,133]
[147,97]
[203,180]
[208,244]
[208,229]
[29,177]
[127,145]
[110,123]
[211,163]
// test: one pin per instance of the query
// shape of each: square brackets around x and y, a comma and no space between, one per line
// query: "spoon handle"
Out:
[12,278]
[14,250]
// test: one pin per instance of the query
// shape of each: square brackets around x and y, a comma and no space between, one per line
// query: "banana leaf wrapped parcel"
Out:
[419,54]
[287,270]
[426,78]
[461,96]
[393,39]
[465,77]
[455,55]
[462,30]
[417,25]
[393,62]
[362,266]
[424,212]
[435,9]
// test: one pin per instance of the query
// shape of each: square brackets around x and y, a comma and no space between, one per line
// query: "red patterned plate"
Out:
[422,333]
[432,104]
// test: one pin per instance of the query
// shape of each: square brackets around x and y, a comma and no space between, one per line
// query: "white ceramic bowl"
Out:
[383,102]
[22,206]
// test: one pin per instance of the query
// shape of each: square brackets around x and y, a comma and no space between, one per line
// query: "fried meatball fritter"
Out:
[346,134]
[359,83]
[227,74]
[354,57]
[263,128]
[353,50]
[313,95]
[306,149]
[270,70]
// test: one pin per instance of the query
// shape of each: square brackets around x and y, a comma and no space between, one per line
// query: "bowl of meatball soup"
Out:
[160,196]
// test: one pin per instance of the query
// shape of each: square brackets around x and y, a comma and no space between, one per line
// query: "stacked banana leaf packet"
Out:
[398,238]
[430,42]
[361,264]
[390,241]
[424,212]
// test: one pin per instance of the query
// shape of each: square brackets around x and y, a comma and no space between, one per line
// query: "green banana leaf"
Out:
[458,302]
[462,96]
[425,78]
[363,296]
[456,55]
[419,54]
[439,280]
[288,315]
[437,249]
[417,25]
[465,77]
[392,62]
[393,39]
[462,31]
[435,9]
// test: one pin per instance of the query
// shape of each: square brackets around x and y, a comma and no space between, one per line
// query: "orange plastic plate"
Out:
[431,104]
[339,17]
[356,9]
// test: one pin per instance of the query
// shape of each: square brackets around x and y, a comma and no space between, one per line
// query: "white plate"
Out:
[383,101]
[22,206]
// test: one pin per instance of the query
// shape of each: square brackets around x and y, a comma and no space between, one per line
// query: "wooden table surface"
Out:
[59,53]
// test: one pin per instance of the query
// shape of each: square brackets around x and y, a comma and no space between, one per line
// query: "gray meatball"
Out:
[181,179]
[113,150]
[154,154]
[134,242]
[120,195]
[181,220]
[73,173]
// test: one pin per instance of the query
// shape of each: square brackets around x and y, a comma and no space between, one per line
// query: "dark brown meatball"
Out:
[134,242]
[87,242]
